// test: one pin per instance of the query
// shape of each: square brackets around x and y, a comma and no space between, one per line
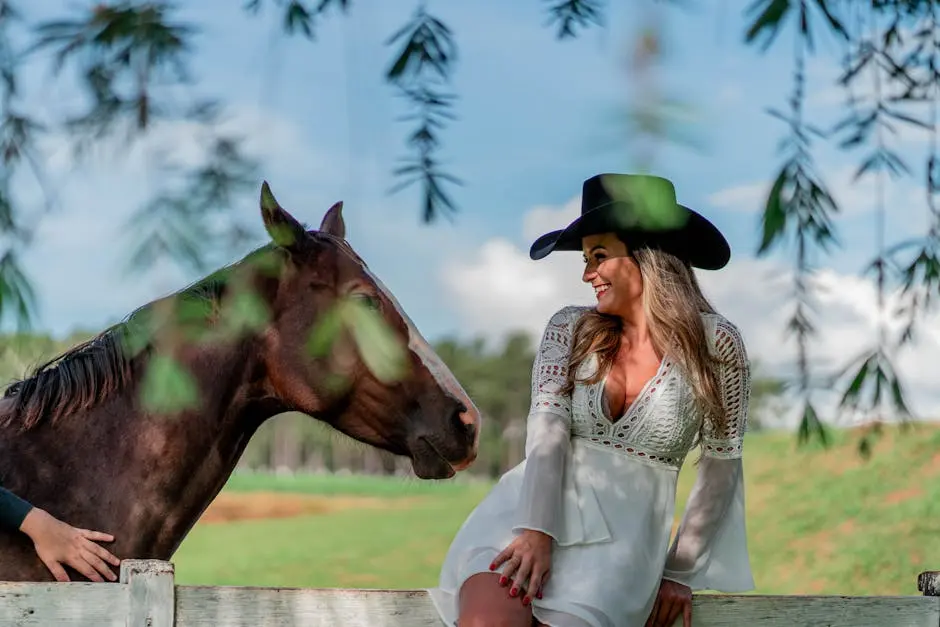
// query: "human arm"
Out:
[540,510]
[710,548]
[13,510]
[56,542]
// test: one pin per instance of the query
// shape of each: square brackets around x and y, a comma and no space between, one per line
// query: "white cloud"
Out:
[853,196]
[500,289]
[540,220]
[748,197]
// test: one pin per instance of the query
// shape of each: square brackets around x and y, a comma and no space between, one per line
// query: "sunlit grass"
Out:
[818,523]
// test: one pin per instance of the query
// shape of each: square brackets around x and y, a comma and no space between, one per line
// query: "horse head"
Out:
[420,412]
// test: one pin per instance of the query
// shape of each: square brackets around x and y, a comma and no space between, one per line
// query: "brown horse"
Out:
[77,439]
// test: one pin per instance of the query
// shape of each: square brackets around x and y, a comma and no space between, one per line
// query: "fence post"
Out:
[928,582]
[151,593]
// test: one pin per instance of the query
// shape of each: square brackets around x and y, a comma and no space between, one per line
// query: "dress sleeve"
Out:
[710,548]
[548,432]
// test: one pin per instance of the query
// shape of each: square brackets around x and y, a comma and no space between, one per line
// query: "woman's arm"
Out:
[548,434]
[548,430]
[13,510]
[710,548]
[58,543]
[710,511]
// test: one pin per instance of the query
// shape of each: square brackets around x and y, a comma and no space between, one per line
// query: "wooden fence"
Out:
[147,596]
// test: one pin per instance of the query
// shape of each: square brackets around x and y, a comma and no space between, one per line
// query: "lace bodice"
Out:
[664,422]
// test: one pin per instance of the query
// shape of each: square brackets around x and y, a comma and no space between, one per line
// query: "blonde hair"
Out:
[673,302]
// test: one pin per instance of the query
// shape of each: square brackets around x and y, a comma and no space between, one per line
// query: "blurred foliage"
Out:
[891,79]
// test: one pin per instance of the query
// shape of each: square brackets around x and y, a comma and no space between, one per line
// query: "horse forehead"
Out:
[344,248]
[341,245]
[416,342]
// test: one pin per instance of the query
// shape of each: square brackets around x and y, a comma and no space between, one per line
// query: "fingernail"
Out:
[538,595]
[513,591]
[492,566]
[526,600]
[502,580]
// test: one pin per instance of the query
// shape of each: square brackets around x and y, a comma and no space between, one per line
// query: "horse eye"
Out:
[368,300]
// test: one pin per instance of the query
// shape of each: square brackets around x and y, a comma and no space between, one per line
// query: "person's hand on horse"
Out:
[673,599]
[59,543]
[528,562]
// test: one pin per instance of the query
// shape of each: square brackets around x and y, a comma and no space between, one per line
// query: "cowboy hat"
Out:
[643,211]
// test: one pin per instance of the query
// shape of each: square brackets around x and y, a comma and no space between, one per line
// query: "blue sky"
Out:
[534,122]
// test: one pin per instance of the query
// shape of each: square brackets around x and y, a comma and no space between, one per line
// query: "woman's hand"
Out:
[673,599]
[58,543]
[528,560]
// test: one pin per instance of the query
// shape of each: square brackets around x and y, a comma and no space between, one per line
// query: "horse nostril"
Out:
[471,430]
[464,421]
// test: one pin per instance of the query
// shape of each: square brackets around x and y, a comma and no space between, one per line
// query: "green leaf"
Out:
[296,16]
[381,350]
[811,427]
[245,312]
[851,394]
[167,387]
[17,297]
[325,332]
[774,217]
[834,23]
[769,20]
[569,14]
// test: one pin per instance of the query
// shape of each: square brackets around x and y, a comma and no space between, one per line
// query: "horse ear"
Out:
[333,222]
[283,228]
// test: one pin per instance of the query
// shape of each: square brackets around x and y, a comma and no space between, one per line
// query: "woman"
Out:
[578,534]
[56,542]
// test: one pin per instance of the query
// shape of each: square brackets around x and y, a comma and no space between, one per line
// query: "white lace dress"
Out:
[605,491]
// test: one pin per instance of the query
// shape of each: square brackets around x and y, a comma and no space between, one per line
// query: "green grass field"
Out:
[819,522]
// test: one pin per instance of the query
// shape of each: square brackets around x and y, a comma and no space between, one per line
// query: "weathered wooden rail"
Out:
[147,596]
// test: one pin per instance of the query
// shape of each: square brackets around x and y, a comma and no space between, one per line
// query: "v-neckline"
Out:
[628,409]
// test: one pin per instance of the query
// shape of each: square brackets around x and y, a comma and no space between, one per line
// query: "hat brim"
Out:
[697,240]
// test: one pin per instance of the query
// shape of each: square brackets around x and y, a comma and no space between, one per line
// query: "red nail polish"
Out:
[492,566]
[526,600]
[538,595]
[502,580]
[513,592]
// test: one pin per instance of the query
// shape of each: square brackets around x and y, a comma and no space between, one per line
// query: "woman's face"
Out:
[616,278]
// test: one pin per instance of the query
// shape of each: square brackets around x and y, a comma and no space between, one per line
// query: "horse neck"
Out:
[146,478]
[195,454]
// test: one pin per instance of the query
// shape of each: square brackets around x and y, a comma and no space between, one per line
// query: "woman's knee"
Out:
[484,603]
[489,620]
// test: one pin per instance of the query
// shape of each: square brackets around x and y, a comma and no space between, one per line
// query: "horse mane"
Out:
[94,370]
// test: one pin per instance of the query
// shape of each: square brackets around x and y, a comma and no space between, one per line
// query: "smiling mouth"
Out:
[600,290]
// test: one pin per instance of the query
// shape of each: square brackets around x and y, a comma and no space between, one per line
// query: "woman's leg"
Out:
[485,603]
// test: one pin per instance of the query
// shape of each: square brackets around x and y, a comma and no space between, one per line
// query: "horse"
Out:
[78,439]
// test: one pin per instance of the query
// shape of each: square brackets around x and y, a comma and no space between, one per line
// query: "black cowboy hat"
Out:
[643,211]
